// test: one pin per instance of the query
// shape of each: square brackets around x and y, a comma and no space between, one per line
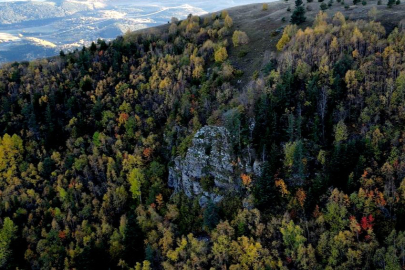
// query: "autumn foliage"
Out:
[90,143]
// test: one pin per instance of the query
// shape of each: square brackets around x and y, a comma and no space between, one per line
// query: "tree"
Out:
[222,238]
[265,6]
[11,155]
[340,132]
[7,234]
[173,29]
[239,38]
[390,3]
[298,15]
[246,254]
[301,197]
[289,31]
[135,179]
[292,238]
[189,254]
[144,266]
[336,216]
[228,21]
[372,13]
[282,42]
[221,55]
[294,161]
[211,217]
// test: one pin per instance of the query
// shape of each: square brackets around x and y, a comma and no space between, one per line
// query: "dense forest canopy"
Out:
[88,139]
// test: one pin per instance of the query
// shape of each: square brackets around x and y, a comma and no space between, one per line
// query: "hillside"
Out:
[235,140]
[265,27]
[71,24]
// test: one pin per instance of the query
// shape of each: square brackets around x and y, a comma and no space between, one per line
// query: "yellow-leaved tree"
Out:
[11,155]
[221,55]
[135,179]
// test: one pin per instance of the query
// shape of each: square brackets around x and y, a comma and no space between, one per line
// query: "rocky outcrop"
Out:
[206,171]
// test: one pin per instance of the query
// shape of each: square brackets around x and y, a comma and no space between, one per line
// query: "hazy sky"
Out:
[206,3]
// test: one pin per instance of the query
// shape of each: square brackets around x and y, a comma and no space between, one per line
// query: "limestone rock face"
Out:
[206,171]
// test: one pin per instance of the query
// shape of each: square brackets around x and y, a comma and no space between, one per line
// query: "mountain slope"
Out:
[199,145]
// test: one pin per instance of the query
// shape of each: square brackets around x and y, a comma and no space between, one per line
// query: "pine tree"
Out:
[211,217]
[298,15]
[390,3]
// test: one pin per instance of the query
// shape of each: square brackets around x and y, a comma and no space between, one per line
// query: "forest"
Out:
[88,140]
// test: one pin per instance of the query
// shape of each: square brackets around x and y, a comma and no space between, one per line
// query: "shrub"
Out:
[227,71]
[324,6]
[372,13]
[255,75]
[238,73]
[242,53]
[207,183]
[223,32]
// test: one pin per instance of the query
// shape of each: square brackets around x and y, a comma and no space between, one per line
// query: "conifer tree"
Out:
[298,15]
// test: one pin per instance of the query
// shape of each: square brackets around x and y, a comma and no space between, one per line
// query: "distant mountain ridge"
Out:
[38,29]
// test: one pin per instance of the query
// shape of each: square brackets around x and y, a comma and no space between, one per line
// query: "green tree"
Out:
[7,234]
[211,217]
[298,15]
[135,179]
[293,238]
[336,216]
[340,132]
